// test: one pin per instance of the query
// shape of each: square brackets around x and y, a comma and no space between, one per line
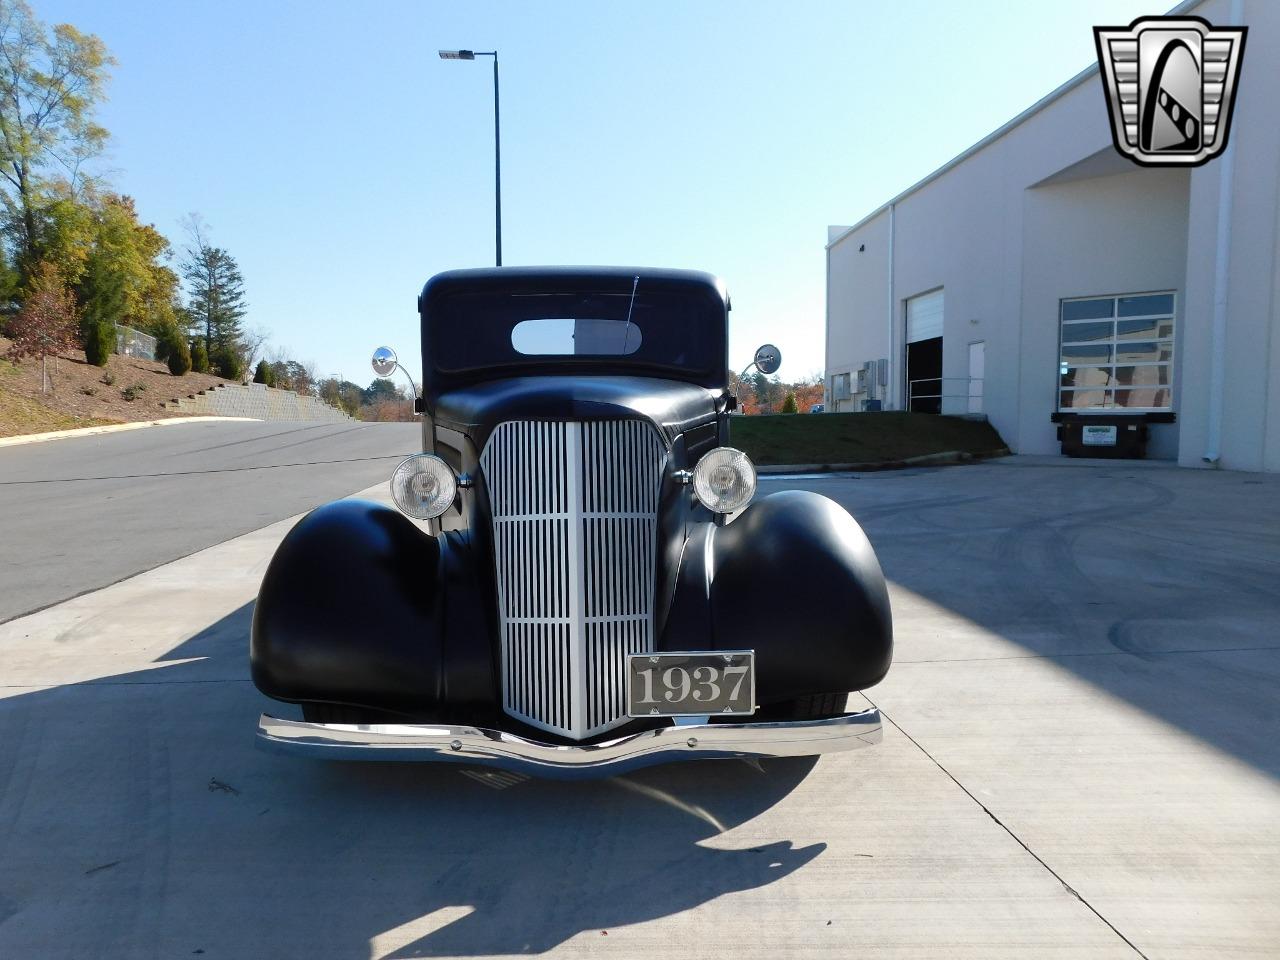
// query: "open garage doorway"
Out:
[924,353]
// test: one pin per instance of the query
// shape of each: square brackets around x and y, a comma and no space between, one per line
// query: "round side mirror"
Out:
[384,361]
[768,359]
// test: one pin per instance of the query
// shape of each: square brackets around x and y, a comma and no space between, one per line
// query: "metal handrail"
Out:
[941,395]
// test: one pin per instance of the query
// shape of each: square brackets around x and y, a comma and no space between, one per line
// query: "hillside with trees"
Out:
[77,263]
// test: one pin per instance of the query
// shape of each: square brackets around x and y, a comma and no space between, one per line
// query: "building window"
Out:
[1116,353]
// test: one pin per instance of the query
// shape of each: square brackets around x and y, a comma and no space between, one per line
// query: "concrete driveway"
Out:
[1081,760]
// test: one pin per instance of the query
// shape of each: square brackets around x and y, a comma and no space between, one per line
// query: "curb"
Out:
[114,428]
[926,460]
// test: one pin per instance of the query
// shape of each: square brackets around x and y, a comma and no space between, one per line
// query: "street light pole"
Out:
[497,140]
[497,165]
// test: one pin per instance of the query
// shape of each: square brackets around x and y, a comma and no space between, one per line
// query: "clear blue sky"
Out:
[343,163]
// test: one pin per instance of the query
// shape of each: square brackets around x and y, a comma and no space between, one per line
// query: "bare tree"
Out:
[253,342]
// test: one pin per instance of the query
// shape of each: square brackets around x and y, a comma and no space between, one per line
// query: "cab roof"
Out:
[468,316]
[584,278]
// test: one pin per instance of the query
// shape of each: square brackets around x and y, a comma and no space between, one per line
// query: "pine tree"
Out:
[215,303]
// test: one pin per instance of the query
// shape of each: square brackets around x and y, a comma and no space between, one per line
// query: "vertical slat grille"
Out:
[575,526]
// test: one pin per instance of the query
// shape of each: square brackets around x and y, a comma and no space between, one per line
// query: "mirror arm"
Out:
[732,403]
[419,406]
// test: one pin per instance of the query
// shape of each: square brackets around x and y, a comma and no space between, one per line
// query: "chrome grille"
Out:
[574,527]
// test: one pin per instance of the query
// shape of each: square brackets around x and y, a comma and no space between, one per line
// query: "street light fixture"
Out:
[497,139]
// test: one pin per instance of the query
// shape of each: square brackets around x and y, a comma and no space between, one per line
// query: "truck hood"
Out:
[671,406]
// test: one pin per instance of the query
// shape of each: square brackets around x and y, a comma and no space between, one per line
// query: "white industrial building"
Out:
[970,291]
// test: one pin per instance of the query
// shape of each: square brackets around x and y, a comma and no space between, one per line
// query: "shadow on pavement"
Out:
[138,819]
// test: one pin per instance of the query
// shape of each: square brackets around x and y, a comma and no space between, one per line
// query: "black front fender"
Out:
[795,579]
[360,607]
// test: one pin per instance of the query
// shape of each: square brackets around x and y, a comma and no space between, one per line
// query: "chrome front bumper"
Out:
[479,747]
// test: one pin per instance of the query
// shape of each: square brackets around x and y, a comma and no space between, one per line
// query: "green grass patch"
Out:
[858,437]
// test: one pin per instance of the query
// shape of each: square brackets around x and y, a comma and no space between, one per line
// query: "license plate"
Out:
[691,684]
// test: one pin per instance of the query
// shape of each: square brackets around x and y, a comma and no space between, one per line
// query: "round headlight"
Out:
[423,486]
[725,480]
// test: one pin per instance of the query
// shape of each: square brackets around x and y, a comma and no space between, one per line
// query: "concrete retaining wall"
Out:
[256,400]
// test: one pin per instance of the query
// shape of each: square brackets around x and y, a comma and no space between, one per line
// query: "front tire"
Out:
[341,713]
[817,707]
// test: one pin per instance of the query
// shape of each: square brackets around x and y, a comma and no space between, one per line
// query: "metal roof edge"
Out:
[996,134]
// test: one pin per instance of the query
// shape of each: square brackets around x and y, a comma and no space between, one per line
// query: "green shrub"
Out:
[108,378]
[130,394]
[227,362]
[99,340]
[167,338]
[789,403]
[199,357]
[264,374]
[179,355]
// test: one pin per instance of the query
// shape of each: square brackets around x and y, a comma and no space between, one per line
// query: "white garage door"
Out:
[924,317]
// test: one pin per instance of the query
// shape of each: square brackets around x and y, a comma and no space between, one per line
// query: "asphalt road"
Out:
[1081,760]
[80,513]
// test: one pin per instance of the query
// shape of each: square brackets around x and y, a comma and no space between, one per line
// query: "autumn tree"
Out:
[51,80]
[350,394]
[808,391]
[46,324]
[379,391]
[64,232]
[136,253]
[293,374]
[339,393]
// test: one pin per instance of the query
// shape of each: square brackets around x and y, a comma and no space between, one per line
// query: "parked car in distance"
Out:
[579,578]
[818,408]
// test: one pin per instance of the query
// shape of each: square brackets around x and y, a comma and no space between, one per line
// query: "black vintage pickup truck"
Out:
[579,579]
